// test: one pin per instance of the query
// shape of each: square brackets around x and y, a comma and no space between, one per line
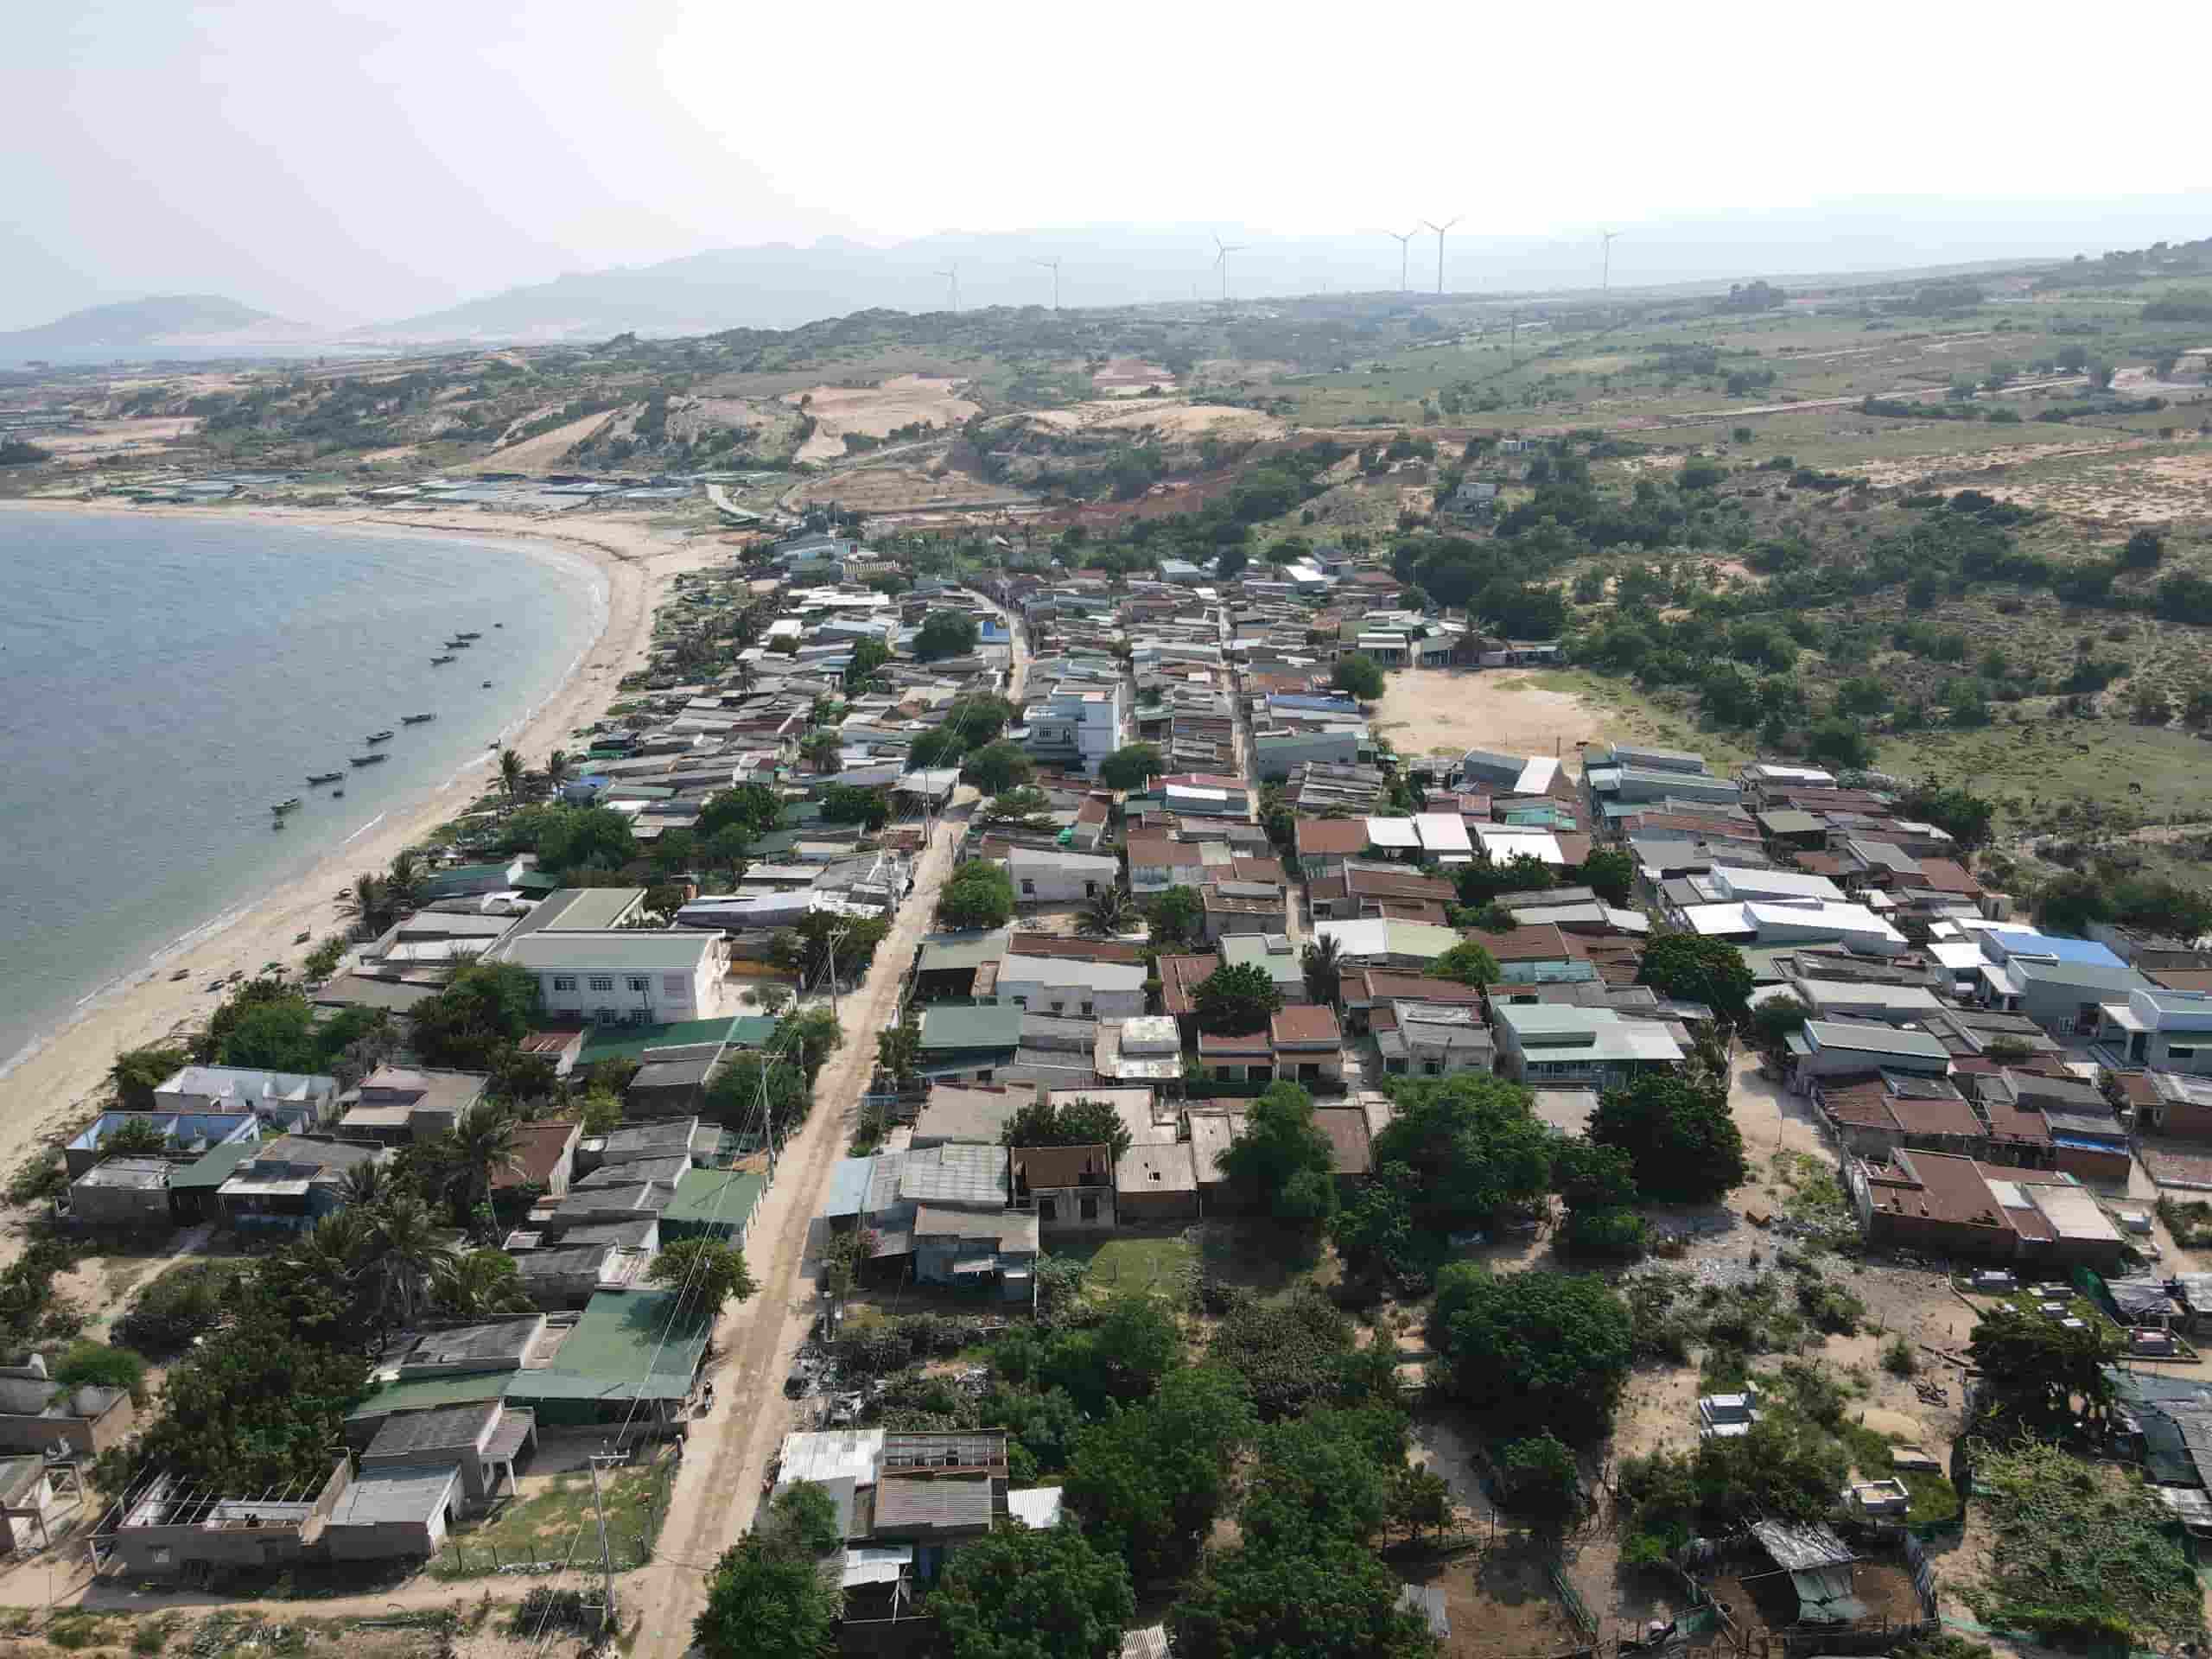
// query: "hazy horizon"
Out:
[368,165]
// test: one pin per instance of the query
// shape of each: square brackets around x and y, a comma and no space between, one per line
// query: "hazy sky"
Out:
[368,159]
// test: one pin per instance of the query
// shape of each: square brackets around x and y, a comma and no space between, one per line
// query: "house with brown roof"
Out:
[1937,1204]
[1234,908]
[1156,1182]
[1070,1188]
[1875,1113]
[1159,862]
[1366,989]
[1359,888]
[1324,844]
[1308,1045]
[1352,1153]
[1180,977]
[543,1158]
[1238,1057]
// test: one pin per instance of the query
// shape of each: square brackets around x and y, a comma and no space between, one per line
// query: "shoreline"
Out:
[64,1065]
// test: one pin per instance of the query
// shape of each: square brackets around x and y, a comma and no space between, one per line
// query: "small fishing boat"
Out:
[384,736]
[416,720]
[479,635]
[487,685]
[302,938]
[367,760]
[181,973]
[287,805]
[499,625]
[439,662]
[324,777]
[459,644]
[337,794]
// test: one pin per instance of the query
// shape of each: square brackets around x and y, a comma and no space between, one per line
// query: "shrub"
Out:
[1898,1358]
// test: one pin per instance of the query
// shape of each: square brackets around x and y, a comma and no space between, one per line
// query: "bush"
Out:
[86,1365]
[1898,1358]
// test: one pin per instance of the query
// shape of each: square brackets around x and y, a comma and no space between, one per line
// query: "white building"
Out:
[1043,878]
[1065,985]
[627,976]
[1077,726]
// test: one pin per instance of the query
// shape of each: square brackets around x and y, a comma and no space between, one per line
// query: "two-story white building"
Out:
[1077,726]
[626,977]
[1065,985]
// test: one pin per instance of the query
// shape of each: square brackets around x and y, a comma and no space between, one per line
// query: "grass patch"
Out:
[1159,1266]
[1935,1501]
[541,1525]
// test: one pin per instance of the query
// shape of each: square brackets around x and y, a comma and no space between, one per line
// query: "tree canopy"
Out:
[997,766]
[1679,1134]
[1468,1148]
[1359,674]
[1073,1124]
[1235,997]
[1283,1157]
[979,894]
[1130,766]
[1535,1351]
[709,1273]
[482,1011]
[1034,1593]
[1148,1481]
[1468,962]
[946,633]
[2037,1375]
[1696,970]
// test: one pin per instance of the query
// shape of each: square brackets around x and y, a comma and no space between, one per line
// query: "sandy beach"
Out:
[54,1085]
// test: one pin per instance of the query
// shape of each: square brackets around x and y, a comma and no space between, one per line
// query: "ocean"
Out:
[164,680]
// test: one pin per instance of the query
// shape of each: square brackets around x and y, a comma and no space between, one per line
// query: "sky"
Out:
[346,161]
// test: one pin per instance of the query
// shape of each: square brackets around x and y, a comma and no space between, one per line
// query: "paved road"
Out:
[719,1486]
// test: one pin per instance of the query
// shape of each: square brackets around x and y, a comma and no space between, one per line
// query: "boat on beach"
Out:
[324,777]
[416,720]
[367,759]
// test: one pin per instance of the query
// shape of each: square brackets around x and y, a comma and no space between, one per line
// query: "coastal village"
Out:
[951,1011]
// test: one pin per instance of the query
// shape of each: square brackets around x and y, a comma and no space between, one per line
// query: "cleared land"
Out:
[876,411]
[1460,708]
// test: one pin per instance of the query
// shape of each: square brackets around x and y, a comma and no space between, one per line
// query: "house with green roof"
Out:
[630,1352]
[968,1040]
[716,1204]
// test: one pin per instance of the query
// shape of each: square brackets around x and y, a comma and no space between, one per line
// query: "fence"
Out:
[1571,1598]
[475,1561]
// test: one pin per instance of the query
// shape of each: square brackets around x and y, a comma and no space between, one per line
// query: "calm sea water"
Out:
[162,681]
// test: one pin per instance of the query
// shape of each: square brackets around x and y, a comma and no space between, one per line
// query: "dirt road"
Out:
[718,1488]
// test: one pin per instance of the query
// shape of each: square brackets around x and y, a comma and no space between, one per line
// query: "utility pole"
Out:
[834,1013]
[605,1549]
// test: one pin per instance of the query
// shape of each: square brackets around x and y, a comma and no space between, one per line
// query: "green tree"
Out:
[1284,1157]
[87,1364]
[1177,918]
[946,633]
[1323,1597]
[753,808]
[1468,962]
[898,1052]
[277,1035]
[135,1136]
[1321,964]
[186,1302]
[743,1081]
[1534,1350]
[708,1272]
[1131,766]
[1964,816]
[1076,1122]
[768,1599]
[804,1513]
[855,804]
[1696,970]
[979,894]
[1359,674]
[1147,1482]
[1296,1351]
[484,1144]
[1470,1148]
[1235,997]
[1041,1593]
[483,1010]
[1772,1019]
[997,767]
[511,773]
[1610,873]
[868,656]
[2039,1376]
[138,1071]
[1541,1482]
[1680,1135]
[1109,913]
[477,1285]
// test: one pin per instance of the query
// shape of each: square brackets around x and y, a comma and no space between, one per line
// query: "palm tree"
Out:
[480,1148]
[370,901]
[826,749]
[1110,912]
[746,674]
[404,886]
[365,1186]
[1320,966]
[556,767]
[511,773]
[407,1251]
[477,1284]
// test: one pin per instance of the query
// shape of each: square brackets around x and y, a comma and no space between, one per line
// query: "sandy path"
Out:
[52,1086]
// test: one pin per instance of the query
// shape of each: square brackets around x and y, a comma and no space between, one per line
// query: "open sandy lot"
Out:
[542,453]
[875,410]
[899,486]
[115,438]
[2143,489]
[52,1086]
[1173,421]
[1461,709]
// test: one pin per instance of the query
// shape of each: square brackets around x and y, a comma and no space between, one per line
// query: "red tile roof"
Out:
[1074,950]
[538,1147]
[1305,1027]
[1259,869]
[1179,976]
[1535,942]
[1330,837]
[1236,1045]
[1346,1128]
[1156,851]
[1948,876]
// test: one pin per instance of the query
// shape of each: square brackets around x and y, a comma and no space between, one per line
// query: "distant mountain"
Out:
[170,326]
[781,286]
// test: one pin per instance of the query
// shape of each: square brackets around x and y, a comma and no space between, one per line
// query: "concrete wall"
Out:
[87,1438]
[1066,1214]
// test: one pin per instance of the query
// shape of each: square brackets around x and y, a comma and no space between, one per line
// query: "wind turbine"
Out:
[1605,277]
[1053,265]
[1221,261]
[1440,229]
[1402,242]
[954,274]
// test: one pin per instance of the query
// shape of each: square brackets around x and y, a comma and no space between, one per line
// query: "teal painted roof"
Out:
[212,1171]
[630,1042]
[985,1025]
[714,1198]
[420,1393]
[616,1351]
[751,1029]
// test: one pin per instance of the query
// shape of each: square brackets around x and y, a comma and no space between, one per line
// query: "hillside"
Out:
[166,326]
